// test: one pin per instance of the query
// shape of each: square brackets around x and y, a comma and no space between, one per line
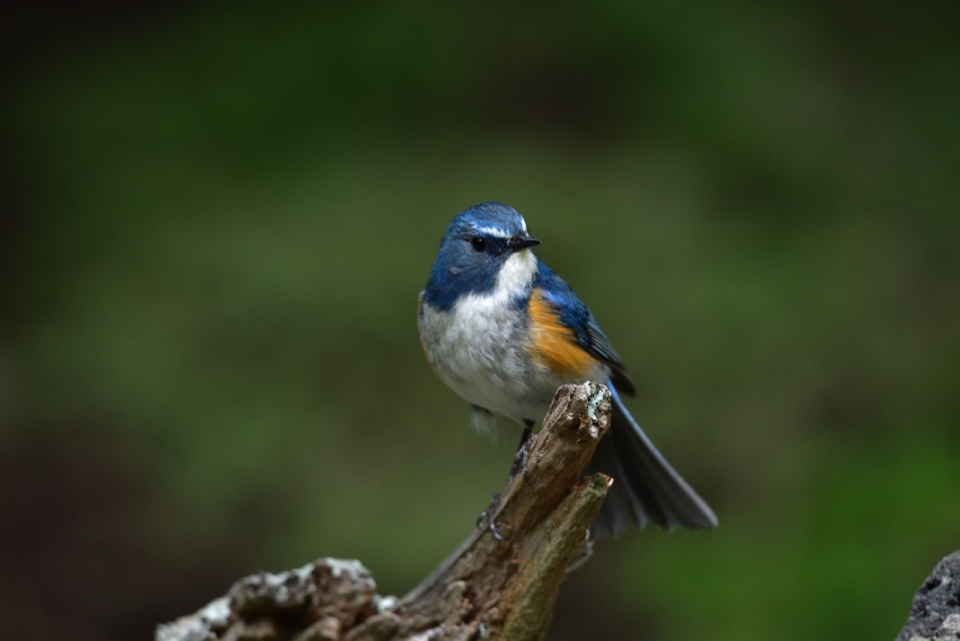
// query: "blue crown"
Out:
[486,217]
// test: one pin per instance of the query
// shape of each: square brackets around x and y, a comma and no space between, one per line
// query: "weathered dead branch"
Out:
[487,589]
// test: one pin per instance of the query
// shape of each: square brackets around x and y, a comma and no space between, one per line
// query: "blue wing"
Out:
[575,315]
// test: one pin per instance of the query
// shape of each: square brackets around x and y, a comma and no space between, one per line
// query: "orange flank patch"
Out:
[553,343]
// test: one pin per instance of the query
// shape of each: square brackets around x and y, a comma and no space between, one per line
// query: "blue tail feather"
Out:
[646,487]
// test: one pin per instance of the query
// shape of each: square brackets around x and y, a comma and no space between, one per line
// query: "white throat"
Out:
[517,273]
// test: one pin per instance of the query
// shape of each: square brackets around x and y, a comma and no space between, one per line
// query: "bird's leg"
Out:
[519,466]
[523,452]
[487,517]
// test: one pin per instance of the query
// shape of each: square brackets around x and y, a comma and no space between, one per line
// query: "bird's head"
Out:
[483,246]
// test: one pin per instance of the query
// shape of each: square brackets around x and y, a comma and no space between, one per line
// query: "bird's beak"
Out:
[519,242]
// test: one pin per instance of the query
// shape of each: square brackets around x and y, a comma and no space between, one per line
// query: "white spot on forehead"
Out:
[523,224]
[491,231]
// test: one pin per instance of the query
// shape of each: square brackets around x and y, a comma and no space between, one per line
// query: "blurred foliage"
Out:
[218,219]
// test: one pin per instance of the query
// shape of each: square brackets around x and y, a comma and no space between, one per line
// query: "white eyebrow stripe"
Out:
[492,231]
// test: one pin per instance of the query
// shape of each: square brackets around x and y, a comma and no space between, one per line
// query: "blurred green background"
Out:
[216,218]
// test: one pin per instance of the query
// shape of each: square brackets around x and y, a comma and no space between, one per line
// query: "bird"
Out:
[504,332]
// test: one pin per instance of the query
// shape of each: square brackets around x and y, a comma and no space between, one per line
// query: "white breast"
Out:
[479,347]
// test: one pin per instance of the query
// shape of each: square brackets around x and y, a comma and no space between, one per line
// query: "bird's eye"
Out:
[478,244]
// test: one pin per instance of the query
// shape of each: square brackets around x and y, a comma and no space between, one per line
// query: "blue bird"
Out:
[503,331]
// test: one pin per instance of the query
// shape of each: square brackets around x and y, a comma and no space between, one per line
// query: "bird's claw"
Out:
[487,517]
[520,463]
